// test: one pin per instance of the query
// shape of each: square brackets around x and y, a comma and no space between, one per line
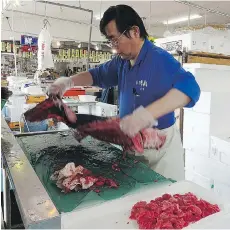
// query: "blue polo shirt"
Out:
[153,75]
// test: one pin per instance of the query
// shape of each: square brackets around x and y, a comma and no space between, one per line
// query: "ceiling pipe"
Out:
[203,8]
[54,18]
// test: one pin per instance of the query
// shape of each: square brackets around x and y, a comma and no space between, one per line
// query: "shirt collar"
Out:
[143,52]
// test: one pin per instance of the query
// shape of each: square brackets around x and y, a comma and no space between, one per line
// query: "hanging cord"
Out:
[189,13]
[150,12]
[14,47]
[100,9]
[205,18]
[45,21]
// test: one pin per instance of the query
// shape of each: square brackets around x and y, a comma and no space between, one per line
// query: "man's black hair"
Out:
[125,17]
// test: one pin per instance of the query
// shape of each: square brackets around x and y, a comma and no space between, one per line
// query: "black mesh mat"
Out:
[50,152]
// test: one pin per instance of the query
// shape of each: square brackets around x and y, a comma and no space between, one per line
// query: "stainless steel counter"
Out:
[36,207]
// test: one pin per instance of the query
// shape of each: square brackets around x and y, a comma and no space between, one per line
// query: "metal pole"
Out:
[203,8]
[89,43]
[150,12]
[189,13]
[63,5]
[6,199]
[33,34]
[14,46]
[205,19]
[55,18]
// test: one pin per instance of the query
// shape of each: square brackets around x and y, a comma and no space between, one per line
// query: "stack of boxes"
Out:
[200,41]
[207,130]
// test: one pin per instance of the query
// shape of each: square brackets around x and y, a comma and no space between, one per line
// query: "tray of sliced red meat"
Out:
[175,206]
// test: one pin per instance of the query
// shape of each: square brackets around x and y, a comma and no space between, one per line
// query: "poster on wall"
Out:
[73,54]
[29,40]
[7,46]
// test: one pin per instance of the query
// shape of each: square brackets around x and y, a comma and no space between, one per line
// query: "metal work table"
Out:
[36,207]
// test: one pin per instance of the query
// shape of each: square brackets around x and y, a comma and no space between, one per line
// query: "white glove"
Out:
[59,87]
[138,120]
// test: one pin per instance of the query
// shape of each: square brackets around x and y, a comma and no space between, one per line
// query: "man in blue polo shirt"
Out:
[151,85]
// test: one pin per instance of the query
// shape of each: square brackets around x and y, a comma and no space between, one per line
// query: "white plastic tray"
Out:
[115,214]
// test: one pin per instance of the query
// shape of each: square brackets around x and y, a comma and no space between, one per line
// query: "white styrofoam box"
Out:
[100,109]
[106,110]
[199,179]
[17,100]
[223,190]
[119,213]
[225,46]
[85,109]
[220,113]
[214,153]
[28,106]
[214,44]
[207,167]
[219,45]
[204,103]
[14,113]
[33,90]
[196,142]
[222,149]
[216,122]
[211,78]
[87,98]
[196,122]
[194,41]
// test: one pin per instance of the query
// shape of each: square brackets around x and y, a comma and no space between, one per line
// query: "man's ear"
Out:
[135,32]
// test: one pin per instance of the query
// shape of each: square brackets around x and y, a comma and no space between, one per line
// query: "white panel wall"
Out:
[207,130]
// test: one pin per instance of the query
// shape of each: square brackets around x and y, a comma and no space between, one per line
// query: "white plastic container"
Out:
[100,109]
[27,107]
[87,98]
[119,209]
[14,113]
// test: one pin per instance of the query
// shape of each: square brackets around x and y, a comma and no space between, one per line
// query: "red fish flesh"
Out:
[171,211]
[72,178]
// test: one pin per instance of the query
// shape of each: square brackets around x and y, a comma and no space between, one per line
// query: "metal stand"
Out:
[6,199]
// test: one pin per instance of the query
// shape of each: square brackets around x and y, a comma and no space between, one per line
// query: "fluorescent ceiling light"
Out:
[182,19]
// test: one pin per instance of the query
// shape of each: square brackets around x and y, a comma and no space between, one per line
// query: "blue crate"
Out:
[36,126]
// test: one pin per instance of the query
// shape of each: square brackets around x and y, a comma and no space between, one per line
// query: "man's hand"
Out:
[59,87]
[138,120]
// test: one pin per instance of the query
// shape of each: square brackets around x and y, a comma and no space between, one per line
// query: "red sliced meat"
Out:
[72,178]
[171,212]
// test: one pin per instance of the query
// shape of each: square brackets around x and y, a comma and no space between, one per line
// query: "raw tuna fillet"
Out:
[107,130]
[49,109]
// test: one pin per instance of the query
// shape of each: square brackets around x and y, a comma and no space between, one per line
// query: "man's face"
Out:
[122,44]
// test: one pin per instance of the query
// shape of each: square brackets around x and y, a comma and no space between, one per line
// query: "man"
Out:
[151,83]
[68,72]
